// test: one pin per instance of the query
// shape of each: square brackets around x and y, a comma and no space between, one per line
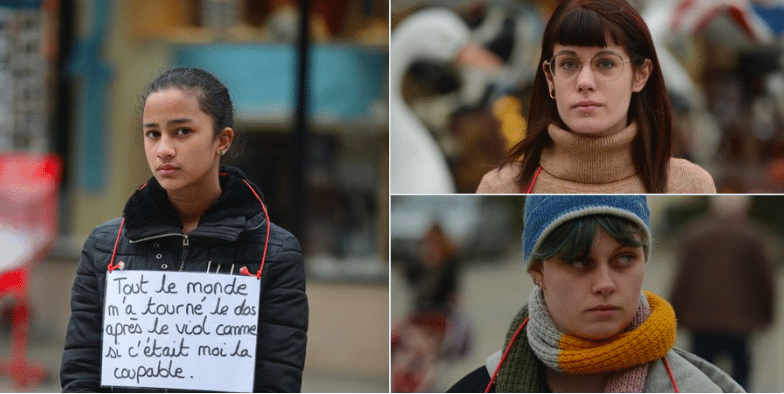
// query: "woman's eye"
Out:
[183,131]
[578,264]
[569,64]
[605,64]
[626,259]
[152,134]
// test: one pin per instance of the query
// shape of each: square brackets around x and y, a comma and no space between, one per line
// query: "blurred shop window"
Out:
[251,46]
[359,21]
[24,73]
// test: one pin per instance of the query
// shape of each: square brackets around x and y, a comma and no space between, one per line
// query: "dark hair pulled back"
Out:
[212,95]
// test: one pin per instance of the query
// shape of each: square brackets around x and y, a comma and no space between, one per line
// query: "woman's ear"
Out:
[225,138]
[536,273]
[641,76]
[549,78]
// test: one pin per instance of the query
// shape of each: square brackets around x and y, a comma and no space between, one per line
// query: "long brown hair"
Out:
[589,23]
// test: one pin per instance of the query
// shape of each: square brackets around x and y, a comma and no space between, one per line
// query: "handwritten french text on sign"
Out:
[180,330]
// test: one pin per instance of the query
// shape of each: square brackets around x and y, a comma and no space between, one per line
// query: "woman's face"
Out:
[596,299]
[587,102]
[179,140]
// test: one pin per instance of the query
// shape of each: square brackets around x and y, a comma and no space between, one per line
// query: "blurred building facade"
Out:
[79,68]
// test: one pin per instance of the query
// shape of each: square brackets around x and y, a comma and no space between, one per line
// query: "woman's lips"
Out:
[167,169]
[586,104]
[604,311]
[586,107]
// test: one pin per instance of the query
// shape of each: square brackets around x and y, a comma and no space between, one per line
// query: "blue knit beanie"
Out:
[543,214]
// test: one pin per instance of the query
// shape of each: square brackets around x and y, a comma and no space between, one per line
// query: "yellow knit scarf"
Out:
[648,342]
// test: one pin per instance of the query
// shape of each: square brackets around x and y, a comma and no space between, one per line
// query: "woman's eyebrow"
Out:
[630,247]
[170,122]
[573,53]
[178,121]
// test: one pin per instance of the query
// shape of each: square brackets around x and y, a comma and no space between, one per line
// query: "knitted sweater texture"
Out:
[578,164]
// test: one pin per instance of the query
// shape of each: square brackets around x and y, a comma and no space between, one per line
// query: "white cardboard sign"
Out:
[180,330]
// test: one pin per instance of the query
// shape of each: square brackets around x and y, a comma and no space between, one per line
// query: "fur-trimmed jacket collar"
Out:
[149,212]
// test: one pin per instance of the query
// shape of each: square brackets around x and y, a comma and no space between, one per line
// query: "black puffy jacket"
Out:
[230,235]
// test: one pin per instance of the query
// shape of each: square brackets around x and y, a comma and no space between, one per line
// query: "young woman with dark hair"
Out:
[600,119]
[193,215]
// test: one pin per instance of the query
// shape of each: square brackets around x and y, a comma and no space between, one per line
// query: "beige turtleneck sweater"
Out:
[579,164]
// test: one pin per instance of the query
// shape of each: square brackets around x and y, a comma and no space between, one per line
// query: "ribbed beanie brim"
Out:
[543,213]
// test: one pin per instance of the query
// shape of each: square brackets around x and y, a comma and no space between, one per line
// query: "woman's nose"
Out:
[165,148]
[586,78]
[603,281]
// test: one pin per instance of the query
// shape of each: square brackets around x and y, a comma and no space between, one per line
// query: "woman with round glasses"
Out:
[600,119]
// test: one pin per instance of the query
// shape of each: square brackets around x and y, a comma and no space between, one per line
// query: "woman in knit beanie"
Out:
[600,118]
[588,326]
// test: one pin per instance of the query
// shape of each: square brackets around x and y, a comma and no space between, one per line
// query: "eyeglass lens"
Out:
[607,66]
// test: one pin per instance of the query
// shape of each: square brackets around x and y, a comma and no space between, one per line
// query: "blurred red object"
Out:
[29,198]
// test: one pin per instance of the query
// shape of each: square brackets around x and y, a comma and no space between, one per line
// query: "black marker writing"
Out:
[131,288]
[149,372]
[154,308]
[198,329]
[220,309]
[168,289]
[217,288]
[166,351]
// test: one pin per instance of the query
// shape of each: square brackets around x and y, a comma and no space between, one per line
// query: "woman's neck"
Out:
[562,383]
[191,202]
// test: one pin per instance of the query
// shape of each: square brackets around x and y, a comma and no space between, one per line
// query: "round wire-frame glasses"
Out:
[607,66]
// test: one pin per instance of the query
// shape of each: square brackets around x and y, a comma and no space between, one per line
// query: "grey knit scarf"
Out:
[521,372]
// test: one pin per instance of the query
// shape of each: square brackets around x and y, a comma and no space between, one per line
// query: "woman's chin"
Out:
[599,331]
[169,184]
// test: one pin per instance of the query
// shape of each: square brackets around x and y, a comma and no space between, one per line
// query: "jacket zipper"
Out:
[185,244]
[133,241]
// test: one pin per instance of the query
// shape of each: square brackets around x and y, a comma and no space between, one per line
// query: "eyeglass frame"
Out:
[549,64]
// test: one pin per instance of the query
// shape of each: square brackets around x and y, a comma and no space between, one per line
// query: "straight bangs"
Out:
[571,242]
[586,28]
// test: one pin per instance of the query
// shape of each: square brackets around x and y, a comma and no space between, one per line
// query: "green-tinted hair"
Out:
[572,241]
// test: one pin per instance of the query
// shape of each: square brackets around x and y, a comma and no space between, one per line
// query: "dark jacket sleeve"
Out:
[474,382]
[282,339]
[80,370]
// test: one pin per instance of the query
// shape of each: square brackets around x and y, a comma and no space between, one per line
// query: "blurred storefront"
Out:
[71,77]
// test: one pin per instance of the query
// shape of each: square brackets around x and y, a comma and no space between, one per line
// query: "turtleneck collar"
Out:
[577,158]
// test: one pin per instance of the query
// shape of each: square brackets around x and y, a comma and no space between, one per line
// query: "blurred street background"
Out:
[310,98]
[490,285]
[722,63]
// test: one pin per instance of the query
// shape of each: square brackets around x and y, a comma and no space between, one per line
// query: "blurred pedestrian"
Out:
[600,118]
[435,331]
[197,216]
[434,277]
[588,326]
[723,290]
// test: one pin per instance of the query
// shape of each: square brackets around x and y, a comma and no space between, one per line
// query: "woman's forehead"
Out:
[610,45]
